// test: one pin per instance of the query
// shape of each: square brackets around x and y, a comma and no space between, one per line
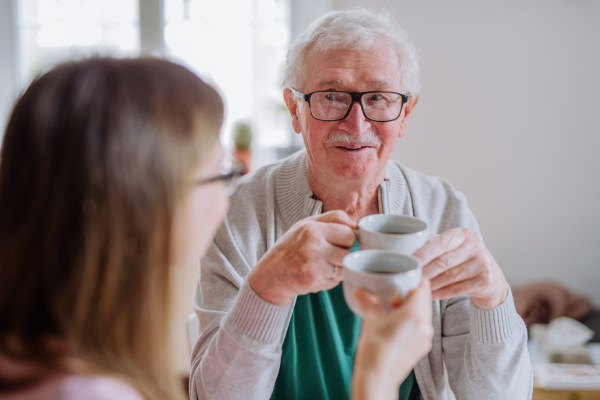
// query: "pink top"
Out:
[66,386]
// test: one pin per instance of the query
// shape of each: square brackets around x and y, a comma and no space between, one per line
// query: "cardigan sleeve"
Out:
[485,351]
[239,350]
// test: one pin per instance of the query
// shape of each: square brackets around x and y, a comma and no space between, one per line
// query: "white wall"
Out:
[510,114]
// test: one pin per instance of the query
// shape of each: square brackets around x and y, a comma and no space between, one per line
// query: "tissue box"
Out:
[562,342]
[574,355]
[567,376]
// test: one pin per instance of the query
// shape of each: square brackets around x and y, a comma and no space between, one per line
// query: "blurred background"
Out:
[509,111]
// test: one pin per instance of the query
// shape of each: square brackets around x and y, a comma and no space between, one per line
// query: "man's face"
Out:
[375,69]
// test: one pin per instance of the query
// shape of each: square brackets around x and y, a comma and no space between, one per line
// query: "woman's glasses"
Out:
[231,170]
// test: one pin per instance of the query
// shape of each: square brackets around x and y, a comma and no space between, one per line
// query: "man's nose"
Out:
[355,122]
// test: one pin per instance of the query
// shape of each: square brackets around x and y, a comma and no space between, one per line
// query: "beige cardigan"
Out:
[239,350]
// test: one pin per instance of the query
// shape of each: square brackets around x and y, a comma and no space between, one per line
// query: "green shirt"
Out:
[319,347]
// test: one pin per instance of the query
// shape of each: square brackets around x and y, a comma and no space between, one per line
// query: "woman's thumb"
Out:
[368,301]
[421,293]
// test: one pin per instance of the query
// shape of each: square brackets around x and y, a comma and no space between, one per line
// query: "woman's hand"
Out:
[391,343]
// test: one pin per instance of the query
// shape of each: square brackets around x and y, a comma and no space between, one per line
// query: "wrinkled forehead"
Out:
[344,84]
[374,68]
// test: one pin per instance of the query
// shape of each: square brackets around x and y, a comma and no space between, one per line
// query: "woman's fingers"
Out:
[396,301]
[417,298]
[420,298]
[368,302]
[422,290]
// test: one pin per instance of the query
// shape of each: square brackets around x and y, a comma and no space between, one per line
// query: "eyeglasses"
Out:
[231,170]
[335,106]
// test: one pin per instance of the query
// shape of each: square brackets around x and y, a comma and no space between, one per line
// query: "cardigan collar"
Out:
[295,201]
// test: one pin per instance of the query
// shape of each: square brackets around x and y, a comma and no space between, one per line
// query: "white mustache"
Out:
[369,138]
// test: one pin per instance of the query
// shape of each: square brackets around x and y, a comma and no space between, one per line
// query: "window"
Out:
[53,31]
[239,46]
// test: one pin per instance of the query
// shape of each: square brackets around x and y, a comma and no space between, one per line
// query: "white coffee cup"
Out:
[384,273]
[399,233]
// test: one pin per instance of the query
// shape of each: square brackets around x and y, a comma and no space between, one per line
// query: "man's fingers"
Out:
[338,234]
[335,255]
[332,285]
[462,272]
[447,261]
[440,244]
[457,289]
[368,302]
[336,216]
[339,276]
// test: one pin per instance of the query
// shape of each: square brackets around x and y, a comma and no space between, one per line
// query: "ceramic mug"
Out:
[384,273]
[399,233]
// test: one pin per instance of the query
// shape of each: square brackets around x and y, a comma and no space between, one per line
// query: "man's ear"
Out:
[292,105]
[408,109]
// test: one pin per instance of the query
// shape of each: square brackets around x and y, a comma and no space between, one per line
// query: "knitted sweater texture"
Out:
[476,353]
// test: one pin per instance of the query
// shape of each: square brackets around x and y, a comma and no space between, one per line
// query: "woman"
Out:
[111,174]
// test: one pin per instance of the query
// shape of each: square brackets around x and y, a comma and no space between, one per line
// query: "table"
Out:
[543,394]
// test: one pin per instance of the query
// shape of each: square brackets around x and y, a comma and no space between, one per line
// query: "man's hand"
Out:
[307,259]
[457,263]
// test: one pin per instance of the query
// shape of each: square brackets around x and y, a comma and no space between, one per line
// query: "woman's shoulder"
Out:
[76,387]
[96,388]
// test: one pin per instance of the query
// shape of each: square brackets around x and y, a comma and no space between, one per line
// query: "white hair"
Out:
[369,138]
[357,29]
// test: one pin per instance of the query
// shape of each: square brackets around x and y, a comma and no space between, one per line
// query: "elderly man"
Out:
[273,320]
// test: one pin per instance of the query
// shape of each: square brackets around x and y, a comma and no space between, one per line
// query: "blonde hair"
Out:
[95,161]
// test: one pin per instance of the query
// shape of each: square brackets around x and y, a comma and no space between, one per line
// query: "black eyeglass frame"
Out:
[355,97]
[238,171]
[228,177]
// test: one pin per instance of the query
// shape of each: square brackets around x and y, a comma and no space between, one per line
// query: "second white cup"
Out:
[384,273]
[399,233]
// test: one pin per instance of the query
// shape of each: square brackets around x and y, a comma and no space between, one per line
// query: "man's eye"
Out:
[376,97]
[331,96]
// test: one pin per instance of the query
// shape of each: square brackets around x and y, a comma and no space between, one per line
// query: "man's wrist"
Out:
[489,303]
[264,289]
